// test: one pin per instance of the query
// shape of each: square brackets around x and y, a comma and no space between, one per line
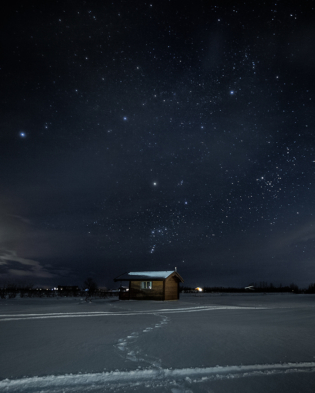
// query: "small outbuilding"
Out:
[150,285]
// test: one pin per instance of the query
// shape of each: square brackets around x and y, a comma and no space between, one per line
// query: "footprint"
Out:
[122,346]
[134,355]
[131,356]
[156,363]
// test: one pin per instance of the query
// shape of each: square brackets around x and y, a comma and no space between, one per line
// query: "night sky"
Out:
[148,135]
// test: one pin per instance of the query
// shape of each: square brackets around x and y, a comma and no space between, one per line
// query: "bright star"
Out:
[232,92]
[22,134]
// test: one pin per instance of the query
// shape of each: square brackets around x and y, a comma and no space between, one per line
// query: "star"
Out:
[22,134]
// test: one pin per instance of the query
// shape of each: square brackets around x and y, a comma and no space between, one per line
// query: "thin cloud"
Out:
[14,266]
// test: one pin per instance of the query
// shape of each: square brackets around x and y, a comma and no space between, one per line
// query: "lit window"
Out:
[146,284]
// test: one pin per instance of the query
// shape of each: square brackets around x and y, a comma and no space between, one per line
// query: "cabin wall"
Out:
[171,288]
[138,293]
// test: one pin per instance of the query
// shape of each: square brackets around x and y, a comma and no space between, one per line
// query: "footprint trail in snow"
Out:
[128,349]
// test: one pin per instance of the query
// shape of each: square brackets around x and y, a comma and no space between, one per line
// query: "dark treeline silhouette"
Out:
[310,289]
[261,287]
[10,291]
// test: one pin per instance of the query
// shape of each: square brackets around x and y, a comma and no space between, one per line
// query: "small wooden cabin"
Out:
[152,285]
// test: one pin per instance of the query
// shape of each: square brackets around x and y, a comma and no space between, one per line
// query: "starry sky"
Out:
[144,135]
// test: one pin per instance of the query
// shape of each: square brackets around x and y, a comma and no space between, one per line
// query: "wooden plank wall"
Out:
[171,288]
[138,293]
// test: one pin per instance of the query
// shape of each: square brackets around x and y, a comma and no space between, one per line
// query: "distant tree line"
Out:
[88,290]
[261,287]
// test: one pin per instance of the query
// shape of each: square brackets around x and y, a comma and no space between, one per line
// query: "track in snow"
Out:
[16,317]
[154,378]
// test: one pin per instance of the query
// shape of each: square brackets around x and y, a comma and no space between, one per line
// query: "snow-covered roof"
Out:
[163,274]
[146,275]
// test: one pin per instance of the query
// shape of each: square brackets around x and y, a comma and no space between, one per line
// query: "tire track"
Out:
[18,317]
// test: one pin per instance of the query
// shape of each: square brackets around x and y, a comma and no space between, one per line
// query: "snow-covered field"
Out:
[204,343]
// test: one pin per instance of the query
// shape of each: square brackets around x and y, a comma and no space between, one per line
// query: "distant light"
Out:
[199,289]
[125,118]
[22,134]
[232,92]
[154,183]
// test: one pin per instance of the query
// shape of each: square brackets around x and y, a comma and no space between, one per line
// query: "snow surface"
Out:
[202,343]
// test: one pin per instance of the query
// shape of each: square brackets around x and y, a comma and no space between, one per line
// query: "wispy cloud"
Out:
[298,234]
[11,266]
